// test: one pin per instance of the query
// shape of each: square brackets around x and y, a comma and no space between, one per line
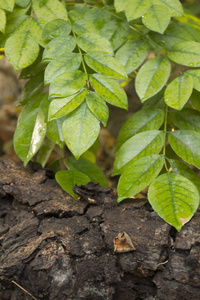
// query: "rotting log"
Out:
[59,248]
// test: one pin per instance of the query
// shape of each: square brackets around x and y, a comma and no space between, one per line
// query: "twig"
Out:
[23,289]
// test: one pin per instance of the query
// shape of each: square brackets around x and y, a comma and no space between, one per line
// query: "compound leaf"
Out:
[174,198]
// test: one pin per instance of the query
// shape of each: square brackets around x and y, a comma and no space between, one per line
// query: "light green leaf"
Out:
[56,28]
[134,8]
[91,42]
[119,5]
[139,175]
[195,99]
[31,128]
[195,73]
[187,119]
[176,33]
[34,69]
[186,54]
[178,91]
[63,106]
[3,20]
[157,18]
[106,65]
[174,6]
[21,50]
[67,84]
[36,32]
[45,152]
[7,4]
[80,130]
[182,169]
[174,198]
[32,88]
[54,131]
[152,76]
[132,54]
[49,10]
[88,168]
[110,90]
[58,47]
[64,64]
[68,179]
[78,11]
[138,146]
[98,16]
[186,144]
[143,120]
[84,26]
[22,3]
[98,107]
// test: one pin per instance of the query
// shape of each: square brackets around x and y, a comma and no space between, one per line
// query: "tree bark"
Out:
[56,247]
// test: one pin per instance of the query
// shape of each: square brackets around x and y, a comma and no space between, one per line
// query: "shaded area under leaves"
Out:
[57,247]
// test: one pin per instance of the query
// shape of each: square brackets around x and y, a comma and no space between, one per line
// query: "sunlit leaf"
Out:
[174,198]
[195,73]
[3,20]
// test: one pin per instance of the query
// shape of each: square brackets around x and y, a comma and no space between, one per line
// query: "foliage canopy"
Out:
[84,51]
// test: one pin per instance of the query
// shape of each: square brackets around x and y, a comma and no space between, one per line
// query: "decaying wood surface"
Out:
[58,248]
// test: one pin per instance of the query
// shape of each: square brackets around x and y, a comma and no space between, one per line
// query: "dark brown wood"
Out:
[56,247]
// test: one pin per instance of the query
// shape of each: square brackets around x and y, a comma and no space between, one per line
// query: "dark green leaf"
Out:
[45,152]
[195,99]
[187,119]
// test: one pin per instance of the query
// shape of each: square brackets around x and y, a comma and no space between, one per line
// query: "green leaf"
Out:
[195,73]
[80,130]
[143,120]
[36,32]
[139,175]
[31,128]
[98,16]
[61,107]
[182,169]
[132,54]
[152,76]
[133,8]
[187,119]
[56,28]
[67,84]
[49,10]
[91,42]
[58,47]
[176,33]
[45,152]
[138,146]
[110,90]
[3,20]
[178,91]
[22,3]
[195,99]
[84,26]
[174,198]
[32,88]
[98,107]
[64,64]
[7,5]
[186,144]
[21,50]
[157,18]
[186,54]
[106,65]
[68,179]
[88,168]
[34,69]
[54,131]
[174,6]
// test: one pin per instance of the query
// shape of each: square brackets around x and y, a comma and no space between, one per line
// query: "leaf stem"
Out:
[165,136]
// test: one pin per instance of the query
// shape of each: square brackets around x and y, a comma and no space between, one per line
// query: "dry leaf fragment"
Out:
[123,243]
